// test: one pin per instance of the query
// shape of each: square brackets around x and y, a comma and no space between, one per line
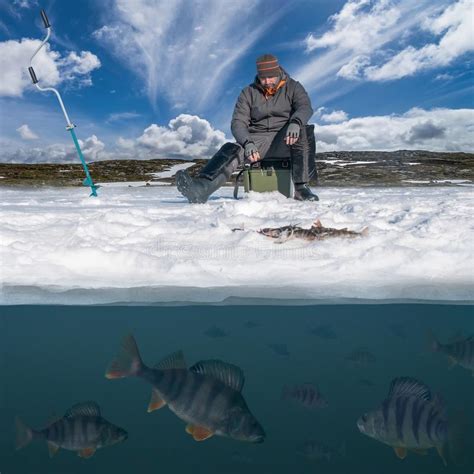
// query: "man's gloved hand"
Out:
[251,152]
[292,134]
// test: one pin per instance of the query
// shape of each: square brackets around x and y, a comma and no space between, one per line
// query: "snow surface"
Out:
[346,163]
[169,173]
[148,245]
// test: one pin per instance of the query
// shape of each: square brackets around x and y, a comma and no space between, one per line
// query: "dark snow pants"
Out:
[270,145]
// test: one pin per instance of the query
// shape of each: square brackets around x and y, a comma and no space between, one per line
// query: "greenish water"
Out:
[52,357]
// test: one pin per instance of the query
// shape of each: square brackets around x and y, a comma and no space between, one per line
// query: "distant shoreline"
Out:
[357,168]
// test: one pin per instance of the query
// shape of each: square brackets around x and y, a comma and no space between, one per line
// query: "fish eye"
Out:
[364,418]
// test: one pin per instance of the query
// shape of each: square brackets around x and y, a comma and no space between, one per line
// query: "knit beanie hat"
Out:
[267,66]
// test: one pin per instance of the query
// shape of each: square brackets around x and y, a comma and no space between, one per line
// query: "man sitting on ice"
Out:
[269,120]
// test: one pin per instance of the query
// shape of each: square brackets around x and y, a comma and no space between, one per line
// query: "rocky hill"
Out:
[370,168]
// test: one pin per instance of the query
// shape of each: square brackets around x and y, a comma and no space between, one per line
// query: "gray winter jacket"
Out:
[254,113]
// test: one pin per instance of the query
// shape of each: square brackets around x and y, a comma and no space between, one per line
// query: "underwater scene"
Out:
[355,388]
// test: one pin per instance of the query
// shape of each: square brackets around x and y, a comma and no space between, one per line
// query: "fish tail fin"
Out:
[433,343]
[364,232]
[459,430]
[24,434]
[128,362]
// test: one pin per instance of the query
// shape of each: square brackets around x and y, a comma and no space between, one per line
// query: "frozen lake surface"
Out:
[149,245]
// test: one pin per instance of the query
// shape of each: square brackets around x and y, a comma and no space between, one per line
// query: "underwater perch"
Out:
[316,232]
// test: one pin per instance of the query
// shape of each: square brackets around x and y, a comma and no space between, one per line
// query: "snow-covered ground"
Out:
[148,245]
[169,173]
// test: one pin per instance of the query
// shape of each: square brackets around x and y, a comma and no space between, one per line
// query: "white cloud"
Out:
[92,148]
[26,133]
[444,77]
[354,69]
[458,39]
[360,31]
[121,116]
[190,137]
[186,136]
[51,69]
[126,143]
[435,130]
[14,61]
[25,3]
[75,66]
[330,117]
[357,26]
[184,51]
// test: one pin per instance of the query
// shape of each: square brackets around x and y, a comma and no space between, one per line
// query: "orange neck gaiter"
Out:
[270,91]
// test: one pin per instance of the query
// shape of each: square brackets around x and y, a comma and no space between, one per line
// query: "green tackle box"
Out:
[269,175]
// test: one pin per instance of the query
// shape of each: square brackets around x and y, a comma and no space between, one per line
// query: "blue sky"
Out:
[158,79]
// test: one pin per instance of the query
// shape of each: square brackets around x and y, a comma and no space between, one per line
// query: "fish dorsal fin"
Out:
[83,409]
[409,387]
[173,361]
[229,374]
[53,418]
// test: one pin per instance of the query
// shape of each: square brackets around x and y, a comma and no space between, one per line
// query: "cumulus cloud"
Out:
[184,50]
[51,68]
[330,117]
[92,148]
[126,143]
[185,137]
[79,66]
[435,130]
[26,133]
[425,131]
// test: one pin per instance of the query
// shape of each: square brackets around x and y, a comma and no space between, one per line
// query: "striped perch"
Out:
[305,394]
[206,396]
[81,429]
[459,352]
[408,419]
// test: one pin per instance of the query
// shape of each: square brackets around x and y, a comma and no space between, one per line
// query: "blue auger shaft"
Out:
[88,181]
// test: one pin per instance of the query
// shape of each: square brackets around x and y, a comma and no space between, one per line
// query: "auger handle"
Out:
[34,79]
[44,17]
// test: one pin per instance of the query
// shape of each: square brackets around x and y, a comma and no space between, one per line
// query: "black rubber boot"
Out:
[214,175]
[303,193]
[198,190]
